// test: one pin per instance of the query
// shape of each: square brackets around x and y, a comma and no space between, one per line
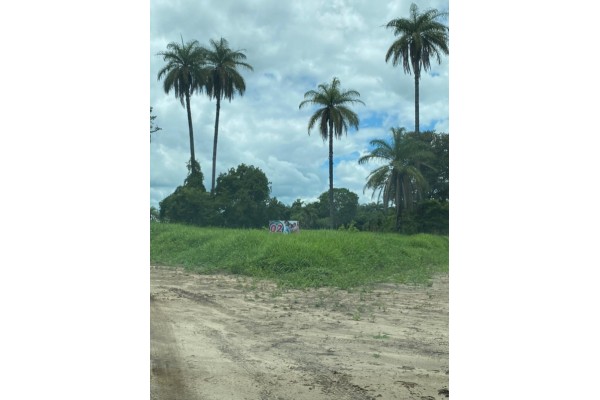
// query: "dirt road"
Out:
[227,337]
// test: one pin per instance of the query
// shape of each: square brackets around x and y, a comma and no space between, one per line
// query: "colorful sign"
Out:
[282,226]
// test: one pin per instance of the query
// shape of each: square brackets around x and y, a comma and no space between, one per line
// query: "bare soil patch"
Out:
[228,337]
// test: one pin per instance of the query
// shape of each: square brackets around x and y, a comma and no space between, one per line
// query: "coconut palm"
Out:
[333,118]
[184,74]
[421,37]
[223,82]
[399,180]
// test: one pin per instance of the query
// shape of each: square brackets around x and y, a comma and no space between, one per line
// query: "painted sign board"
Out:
[284,226]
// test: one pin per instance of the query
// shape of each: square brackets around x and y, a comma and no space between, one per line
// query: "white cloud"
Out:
[293,46]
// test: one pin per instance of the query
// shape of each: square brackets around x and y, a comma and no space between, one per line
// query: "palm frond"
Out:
[420,37]
[404,154]
[183,72]
[222,64]
[333,108]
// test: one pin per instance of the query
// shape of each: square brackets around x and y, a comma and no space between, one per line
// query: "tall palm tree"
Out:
[333,117]
[223,82]
[421,37]
[184,74]
[399,179]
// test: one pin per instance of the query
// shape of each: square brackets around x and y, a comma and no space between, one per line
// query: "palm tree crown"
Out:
[400,178]
[333,112]
[333,118]
[184,74]
[421,37]
[222,63]
[223,82]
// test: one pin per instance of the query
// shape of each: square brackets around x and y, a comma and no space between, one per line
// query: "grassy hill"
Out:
[308,259]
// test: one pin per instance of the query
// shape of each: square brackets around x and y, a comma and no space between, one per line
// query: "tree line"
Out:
[405,181]
[242,196]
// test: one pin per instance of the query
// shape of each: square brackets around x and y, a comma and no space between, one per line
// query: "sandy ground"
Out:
[227,337]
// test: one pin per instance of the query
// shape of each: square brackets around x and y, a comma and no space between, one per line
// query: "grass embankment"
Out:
[308,259]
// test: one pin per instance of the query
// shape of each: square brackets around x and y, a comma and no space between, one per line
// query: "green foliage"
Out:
[183,72]
[309,259]
[372,217]
[188,205]
[221,64]
[429,216]
[345,204]
[438,177]
[432,216]
[400,179]
[242,195]
[351,227]
[306,214]
[277,210]
[195,176]
[415,178]
[240,199]
[333,116]
[420,37]
[381,336]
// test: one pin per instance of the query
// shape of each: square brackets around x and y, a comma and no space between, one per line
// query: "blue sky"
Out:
[293,47]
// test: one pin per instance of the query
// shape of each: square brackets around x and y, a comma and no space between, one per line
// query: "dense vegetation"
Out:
[242,199]
[308,259]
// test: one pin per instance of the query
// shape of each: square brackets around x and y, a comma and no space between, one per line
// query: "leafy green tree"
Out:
[333,117]
[440,187]
[371,217]
[311,215]
[195,176]
[189,203]
[420,37]
[306,214]
[184,74]
[345,204]
[296,209]
[223,82]
[277,210]
[242,195]
[153,128]
[438,177]
[400,179]
[432,216]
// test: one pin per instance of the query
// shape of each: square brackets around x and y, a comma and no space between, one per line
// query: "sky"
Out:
[293,46]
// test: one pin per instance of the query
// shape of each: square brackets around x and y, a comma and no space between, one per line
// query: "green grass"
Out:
[381,336]
[308,259]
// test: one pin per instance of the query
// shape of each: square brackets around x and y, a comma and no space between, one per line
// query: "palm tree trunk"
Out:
[331,209]
[214,158]
[397,202]
[405,192]
[191,130]
[410,197]
[417,101]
